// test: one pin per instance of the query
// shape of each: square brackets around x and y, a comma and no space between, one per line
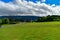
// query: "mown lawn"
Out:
[31,31]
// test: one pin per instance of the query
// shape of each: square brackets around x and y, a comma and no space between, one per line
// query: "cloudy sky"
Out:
[30,7]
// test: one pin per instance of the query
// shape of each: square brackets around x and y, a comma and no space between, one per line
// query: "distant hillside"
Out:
[21,17]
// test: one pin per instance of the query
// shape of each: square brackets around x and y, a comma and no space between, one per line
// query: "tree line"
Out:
[49,18]
[39,19]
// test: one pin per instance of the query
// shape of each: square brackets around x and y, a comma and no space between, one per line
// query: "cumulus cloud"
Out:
[24,8]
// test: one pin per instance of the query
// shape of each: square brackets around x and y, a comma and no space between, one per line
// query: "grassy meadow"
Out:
[31,31]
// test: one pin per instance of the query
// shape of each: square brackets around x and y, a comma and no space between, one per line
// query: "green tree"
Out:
[5,21]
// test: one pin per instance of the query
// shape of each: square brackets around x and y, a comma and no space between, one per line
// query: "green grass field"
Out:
[31,31]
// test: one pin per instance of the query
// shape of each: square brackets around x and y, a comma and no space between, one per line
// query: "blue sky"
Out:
[6,0]
[57,2]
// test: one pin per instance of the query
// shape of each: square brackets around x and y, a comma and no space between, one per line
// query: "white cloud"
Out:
[43,0]
[53,5]
[24,8]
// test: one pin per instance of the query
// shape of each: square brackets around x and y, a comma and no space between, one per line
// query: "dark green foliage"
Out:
[5,21]
[48,18]
[8,21]
[12,20]
[0,21]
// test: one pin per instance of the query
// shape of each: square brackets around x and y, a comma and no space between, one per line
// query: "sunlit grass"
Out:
[31,31]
